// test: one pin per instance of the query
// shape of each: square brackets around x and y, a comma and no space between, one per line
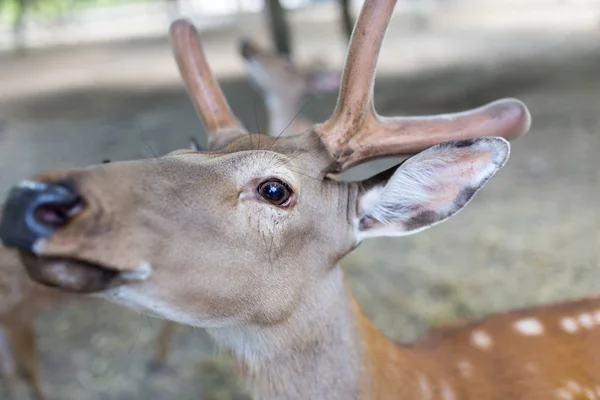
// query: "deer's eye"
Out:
[275,191]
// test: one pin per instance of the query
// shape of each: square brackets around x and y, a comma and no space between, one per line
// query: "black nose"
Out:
[34,211]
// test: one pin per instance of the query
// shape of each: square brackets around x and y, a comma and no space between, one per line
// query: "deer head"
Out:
[237,234]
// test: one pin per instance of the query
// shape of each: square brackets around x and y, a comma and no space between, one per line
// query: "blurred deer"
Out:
[245,240]
[283,85]
[20,300]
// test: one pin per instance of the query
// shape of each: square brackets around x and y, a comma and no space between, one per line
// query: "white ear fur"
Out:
[430,187]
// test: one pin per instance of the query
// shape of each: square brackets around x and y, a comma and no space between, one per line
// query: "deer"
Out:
[283,84]
[244,239]
[21,300]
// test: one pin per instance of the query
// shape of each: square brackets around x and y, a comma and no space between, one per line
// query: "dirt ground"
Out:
[531,236]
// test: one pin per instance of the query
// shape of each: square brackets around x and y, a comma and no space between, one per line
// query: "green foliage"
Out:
[52,9]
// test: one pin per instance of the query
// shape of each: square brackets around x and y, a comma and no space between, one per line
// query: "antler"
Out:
[221,125]
[355,133]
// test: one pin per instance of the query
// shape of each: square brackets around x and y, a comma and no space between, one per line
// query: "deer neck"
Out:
[282,115]
[317,351]
[326,349]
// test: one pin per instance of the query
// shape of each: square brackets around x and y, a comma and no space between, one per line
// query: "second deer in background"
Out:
[283,85]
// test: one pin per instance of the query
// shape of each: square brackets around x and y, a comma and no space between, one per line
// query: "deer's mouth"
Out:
[75,275]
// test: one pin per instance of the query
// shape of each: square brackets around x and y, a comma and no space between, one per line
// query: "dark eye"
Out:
[275,191]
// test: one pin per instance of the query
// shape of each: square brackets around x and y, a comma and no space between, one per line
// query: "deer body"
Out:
[330,346]
[245,239]
[544,352]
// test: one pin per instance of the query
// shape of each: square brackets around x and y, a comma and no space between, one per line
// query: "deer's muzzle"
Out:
[36,210]
[33,212]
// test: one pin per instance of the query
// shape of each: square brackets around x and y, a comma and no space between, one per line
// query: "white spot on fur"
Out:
[573,390]
[586,320]
[465,368]
[529,327]
[481,339]
[425,389]
[597,317]
[141,273]
[447,392]
[574,386]
[569,325]
[563,394]
[38,246]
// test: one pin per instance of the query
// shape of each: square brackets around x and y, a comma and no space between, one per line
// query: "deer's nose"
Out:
[36,210]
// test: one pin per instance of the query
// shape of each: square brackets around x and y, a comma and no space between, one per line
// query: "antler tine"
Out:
[396,136]
[355,99]
[355,133]
[506,118]
[221,125]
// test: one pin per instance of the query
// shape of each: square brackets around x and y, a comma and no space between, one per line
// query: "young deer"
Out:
[244,239]
[283,85]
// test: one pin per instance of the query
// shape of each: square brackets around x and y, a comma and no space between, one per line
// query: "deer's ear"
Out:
[429,187]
